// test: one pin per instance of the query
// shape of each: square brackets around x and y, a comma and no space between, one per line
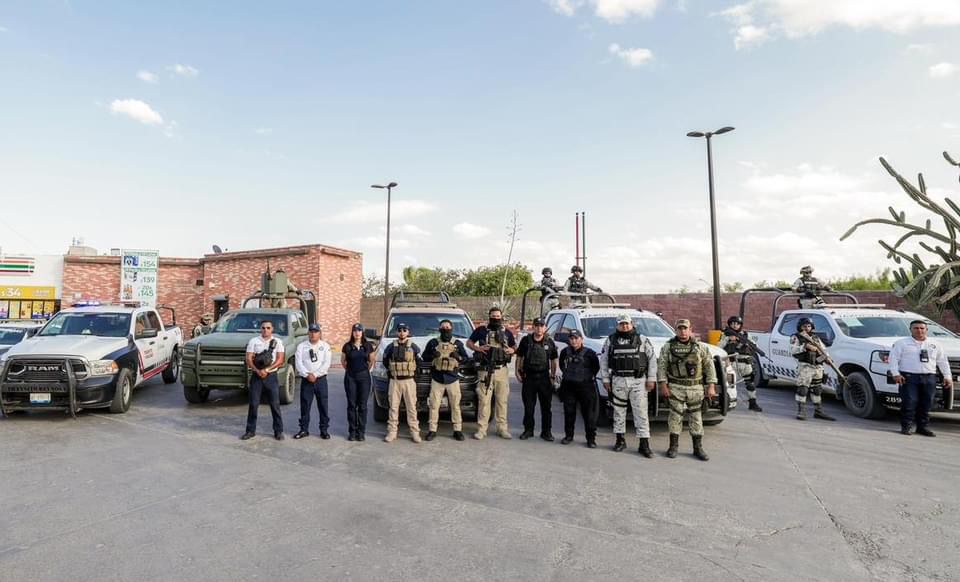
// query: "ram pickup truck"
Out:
[858,339]
[90,357]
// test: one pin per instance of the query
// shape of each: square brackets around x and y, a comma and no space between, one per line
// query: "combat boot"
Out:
[801,411]
[391,436]
[698,451]
[620,444]
[415,436]
[645,448]
[754,406]
[674,443]
[819,413]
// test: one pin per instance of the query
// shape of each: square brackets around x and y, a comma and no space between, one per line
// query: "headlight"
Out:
[103,368]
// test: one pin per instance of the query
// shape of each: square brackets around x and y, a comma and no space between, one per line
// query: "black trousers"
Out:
[585,395]
[357,388]
[271,386]
[309,390]
[916,399]
[537,386]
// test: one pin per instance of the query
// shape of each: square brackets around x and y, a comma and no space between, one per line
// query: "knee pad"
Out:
[802,391]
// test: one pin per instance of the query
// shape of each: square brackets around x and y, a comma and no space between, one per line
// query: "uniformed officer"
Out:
[577,284]
[204,327]
[536,369]
[493,345]
[810,287]
[445,355]
[264,356]
[732,341]
[810,353]
[685,365]
[628,367]
[312,362]
[548,285]
[357,357]
[402,357]
[914,362]
[580,366]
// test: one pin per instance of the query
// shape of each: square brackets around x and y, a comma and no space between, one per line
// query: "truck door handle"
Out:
[774,341]
[151,343]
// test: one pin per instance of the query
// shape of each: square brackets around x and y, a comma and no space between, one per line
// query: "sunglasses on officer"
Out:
[266,327]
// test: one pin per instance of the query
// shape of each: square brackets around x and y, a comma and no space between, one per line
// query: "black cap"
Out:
[314,327]
[357,327]
[539,321]
[402,326]
[576,333]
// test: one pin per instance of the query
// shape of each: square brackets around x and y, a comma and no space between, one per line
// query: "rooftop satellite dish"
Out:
[217,250]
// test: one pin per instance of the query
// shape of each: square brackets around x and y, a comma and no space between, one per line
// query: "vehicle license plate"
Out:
[39,398]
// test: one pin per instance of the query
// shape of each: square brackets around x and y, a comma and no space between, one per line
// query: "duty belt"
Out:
[684,381]
[625,374]
[404,377]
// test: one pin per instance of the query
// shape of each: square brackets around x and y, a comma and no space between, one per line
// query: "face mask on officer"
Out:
[496,322]
[446,334]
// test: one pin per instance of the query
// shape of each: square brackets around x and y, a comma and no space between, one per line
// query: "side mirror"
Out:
[823,337]
[371,334]
[562,337]
[147,333]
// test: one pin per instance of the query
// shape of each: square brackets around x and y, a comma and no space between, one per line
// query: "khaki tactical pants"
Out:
[406,390]
[691,398]
[453,398]
[809,380]
[500,391]
[634,391]
[745,370]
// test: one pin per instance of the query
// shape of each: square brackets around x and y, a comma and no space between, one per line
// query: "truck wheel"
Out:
[861,399]
[172,372]
[286,390]
[758,377]
[195,395]
[379,413]
[122,393]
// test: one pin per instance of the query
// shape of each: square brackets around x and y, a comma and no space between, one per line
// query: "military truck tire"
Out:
[172,372]
[286,390]
[195,395]
[861,399]
[379,413]
[758,377]
[123,392]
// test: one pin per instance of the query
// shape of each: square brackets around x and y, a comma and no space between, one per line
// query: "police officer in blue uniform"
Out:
[580,366]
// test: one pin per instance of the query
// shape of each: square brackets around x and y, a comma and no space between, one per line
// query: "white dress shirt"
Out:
[905,357]
[306,366]
[257,344]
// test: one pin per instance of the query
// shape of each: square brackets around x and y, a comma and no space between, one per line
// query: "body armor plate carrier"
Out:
[446,359]
[806,356]
[683,363]
[627,358]
[536,360]
[403,362]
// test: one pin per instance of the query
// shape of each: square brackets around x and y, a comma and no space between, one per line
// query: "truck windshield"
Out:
[8,337]
[878,326]
[98,324]
[250,323]
[428,324]
[601,327]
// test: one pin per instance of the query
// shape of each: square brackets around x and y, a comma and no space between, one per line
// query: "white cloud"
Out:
[949,125]
[636,57]
[469,231]
[365,212]
[378,242]
[183,70]
[921,48]
[805,179]
[565,7]
[263,131]
[749,35]
[613,11]
[137,110]
[148,77]
[943,70]
[410,230]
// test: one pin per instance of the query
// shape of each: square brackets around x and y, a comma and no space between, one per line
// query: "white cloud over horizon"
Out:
[367,212]
[148,77]
[943,70]
[633,57]
[613,11]
[137,110]
[469,231]
[183,70]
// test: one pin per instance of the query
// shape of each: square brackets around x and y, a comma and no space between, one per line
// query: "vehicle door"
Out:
[553,326]
[781,363]
[146,338]
[164,338]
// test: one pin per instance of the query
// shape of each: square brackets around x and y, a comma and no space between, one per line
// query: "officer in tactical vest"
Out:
[628,367]
[732,341]
[580,366]
[577,284]
[548,285]
[685,366]
[536,369]
[445,355]
[810,353]
[204,327]
[810,287]
[402,357]
[493,346]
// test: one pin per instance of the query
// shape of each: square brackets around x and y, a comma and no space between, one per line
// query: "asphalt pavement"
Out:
[168,492]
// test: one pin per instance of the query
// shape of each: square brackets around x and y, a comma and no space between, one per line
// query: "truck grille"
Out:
[954,366]
[43,370]
[218,355]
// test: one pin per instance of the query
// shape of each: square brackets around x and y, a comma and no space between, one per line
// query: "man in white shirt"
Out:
[264,357]
[312,362]
[914,362]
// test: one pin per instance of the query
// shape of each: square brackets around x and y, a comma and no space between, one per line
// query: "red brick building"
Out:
[191,285]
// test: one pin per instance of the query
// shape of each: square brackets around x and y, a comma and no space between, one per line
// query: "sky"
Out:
[178,125]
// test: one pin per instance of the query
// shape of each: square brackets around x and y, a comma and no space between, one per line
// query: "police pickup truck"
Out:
[858,339]
[91,356]
[595,317]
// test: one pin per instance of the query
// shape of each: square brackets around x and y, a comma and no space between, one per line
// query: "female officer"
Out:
[357,358]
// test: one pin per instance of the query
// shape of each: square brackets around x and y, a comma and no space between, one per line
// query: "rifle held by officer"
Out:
[824,357]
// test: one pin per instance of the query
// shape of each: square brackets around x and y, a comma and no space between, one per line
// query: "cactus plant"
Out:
[932,287]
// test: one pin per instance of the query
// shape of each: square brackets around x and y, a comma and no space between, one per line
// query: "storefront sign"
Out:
[138,276]
[27,292]
[16,266]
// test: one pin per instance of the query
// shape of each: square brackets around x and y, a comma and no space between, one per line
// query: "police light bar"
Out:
[87,303]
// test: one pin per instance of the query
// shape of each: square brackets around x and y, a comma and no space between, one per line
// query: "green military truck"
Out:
[216,361]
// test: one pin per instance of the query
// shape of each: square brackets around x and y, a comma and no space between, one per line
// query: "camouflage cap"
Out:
[624,318]
[206,317]
[682,323]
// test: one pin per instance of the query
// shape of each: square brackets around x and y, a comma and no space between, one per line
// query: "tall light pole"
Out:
[713,220]
[386,275]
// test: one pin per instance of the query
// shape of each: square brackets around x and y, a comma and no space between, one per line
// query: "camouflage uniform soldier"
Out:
[204,327]
[685,364]
[548,285]
[577,284]
[804,347]
[628,367]
[732,342]
[811,287]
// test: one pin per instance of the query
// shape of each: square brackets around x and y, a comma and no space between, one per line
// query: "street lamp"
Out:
[386,276]
[713,220]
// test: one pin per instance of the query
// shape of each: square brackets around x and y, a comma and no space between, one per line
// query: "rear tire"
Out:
[172,372]
[286,390]
[861,399]
[195,395]
[123,393]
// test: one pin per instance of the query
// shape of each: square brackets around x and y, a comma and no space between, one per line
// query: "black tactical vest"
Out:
[806,356]
[498,343]
[537,359]
[683,360]
[578,285]
[575,367]
[627,358]
[735,348]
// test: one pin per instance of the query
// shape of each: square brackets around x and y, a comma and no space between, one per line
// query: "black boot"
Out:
[754,406]
[645,448]
[698,451]
[620,444]
[819,413]
[801,411]
[674,443]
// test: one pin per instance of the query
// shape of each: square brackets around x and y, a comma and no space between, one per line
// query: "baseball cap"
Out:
[576,333]
[314,327]
[402,326]
[357,327]
[682,323]
[624,318]
[539,321]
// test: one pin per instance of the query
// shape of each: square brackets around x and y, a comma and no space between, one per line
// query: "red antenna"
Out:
[576,243]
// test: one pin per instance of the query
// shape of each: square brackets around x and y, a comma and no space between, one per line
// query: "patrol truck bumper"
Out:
[71,391]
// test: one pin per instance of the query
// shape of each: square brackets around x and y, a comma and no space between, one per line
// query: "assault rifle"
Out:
[823,355]
[745,340]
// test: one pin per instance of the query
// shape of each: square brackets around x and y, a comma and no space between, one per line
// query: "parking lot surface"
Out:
[168,492]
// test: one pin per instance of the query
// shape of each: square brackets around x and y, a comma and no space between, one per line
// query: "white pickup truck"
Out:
[858,338]
[90,357]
